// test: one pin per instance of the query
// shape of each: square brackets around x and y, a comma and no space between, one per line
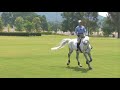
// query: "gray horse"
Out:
[72,44]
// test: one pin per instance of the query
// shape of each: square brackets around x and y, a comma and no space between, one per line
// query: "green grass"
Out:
[31,57]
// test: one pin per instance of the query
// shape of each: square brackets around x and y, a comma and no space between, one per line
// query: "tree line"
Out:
[23,21]
[32,22]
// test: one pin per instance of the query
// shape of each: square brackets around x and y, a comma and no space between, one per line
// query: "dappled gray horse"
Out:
[72,44]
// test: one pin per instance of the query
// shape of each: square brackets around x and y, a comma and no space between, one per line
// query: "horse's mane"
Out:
[86,38]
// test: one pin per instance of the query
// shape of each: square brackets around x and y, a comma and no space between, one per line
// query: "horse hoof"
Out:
[91,47]
[90,68]
[80,66]
[86,62]
[67,63]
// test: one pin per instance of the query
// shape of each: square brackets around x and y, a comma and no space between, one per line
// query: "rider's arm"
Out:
[76,30]
[85,31]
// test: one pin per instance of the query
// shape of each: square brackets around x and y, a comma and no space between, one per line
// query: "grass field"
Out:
[31,57]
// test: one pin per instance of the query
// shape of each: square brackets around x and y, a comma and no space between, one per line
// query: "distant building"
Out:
[99,33]
[115,34]
[6,29]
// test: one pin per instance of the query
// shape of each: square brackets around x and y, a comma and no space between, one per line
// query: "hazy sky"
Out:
[103,13]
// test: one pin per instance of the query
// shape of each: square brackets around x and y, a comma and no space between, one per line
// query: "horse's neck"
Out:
[86,38]
[82,41]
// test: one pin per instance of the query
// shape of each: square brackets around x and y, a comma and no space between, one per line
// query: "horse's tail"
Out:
[62,44]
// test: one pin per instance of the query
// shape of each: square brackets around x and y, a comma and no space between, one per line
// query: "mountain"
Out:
[52,16]
[100,17]
[56,16]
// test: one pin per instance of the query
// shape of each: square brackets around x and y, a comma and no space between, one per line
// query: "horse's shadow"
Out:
[77,68]
[83,70]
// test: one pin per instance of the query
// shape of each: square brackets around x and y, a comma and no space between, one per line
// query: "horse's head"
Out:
[86,42]
[86,46]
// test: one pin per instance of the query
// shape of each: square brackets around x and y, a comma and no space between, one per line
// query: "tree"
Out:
[65,26]
[71,20]
[52,26]
[66,22]
[19,23]
[90,21]
[10,17]
[7,18]
[107,27]
[29,26]
[44,24]
[115,20]
[8,26]
[1,25]
[59,27]
[25,15]
[37,23]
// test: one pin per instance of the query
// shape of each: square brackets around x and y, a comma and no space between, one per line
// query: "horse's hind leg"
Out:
[77,57]
[69,54]
[89,54]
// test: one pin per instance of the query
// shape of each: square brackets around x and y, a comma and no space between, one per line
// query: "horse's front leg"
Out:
[87,61]
[89,54]
[77,57]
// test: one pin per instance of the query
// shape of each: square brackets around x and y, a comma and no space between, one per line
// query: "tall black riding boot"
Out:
[78,47]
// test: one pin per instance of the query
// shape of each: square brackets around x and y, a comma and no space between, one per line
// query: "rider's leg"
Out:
[78,42]
[81,36]
[78,48]
[78,45]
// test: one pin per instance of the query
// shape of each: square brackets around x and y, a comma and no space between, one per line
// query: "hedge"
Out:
[19,34]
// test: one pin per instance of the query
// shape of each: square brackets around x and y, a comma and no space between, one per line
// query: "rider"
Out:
[81,32]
